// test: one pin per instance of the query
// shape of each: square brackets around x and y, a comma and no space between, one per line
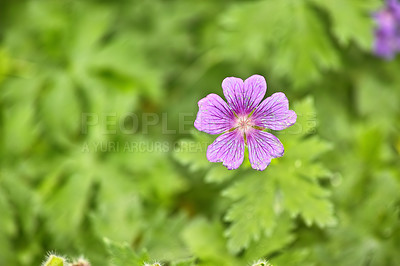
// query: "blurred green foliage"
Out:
[99,156]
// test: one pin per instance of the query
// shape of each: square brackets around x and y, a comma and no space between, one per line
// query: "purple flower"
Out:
[387,33]
[243,122]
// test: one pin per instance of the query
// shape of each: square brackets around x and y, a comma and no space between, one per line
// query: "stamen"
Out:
[244,123]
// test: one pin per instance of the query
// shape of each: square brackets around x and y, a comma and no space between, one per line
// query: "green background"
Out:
[99,156]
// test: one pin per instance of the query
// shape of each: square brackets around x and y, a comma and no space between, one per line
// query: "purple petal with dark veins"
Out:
[274,113]
[228,149]
[243,97]
[214,116]
[263,147]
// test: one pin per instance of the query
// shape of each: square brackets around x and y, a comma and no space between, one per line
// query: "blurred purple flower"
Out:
[387,34]
[243,122]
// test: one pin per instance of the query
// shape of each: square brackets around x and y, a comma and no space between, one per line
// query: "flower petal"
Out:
[228,149]
[214,116]
[233,87]
[386,45]
[244,97]
[274,113]
[263,147]
[393,6]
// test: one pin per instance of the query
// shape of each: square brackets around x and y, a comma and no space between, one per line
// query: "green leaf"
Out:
[122,254]
[305,33]
[67,204]
[184,262]
[253,216]
[296,257]
[218,174]
[287,27]
[307,199]
[21,130]
[88,30]
[375,100]
[60,95]
[8,226]
[290,184]
[193,152]
[205,240]
[355,13]
[119,213]
[162,182]
[306,122]
[23,199]
[280,238]
[298,171]
[160,235]
[5,64]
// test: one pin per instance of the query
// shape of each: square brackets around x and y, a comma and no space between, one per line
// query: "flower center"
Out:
[244,123]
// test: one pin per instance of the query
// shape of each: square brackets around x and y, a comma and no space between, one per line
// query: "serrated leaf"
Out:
[280,238]
[355,13]
[122,254]
[253,216]
[306,122]
[307,199]
[293,257]
[298,171]
[287,27]
[288,185]
[305,34]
